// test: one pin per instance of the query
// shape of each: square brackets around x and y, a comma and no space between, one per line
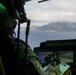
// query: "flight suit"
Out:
[34,67]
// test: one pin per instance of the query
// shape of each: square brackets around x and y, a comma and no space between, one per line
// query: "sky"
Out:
[50,11]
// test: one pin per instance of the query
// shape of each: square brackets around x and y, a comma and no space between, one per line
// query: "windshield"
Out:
[50,20]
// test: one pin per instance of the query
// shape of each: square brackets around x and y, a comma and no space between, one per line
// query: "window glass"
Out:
[50,20]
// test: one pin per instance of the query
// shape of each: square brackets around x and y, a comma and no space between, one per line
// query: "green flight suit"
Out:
[34,67]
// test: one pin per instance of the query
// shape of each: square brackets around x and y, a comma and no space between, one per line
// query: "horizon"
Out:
[34,24]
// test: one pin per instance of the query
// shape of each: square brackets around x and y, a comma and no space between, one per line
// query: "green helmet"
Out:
[3,9]
[7,23]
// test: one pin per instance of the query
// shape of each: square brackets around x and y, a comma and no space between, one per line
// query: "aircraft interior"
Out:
[50,52]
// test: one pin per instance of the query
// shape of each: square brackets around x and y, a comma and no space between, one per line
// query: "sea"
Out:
[36,37]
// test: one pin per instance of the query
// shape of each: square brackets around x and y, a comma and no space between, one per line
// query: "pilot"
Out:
[8,50]
[8,56]
[54,66]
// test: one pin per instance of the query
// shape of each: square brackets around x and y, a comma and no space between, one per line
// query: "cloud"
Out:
[51,11]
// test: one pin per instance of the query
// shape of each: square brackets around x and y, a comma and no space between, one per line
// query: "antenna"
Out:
[42,1]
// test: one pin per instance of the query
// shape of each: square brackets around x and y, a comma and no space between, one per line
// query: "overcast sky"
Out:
[50,11]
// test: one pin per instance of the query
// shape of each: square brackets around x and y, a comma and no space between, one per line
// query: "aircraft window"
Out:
[66,56]
[50,20]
